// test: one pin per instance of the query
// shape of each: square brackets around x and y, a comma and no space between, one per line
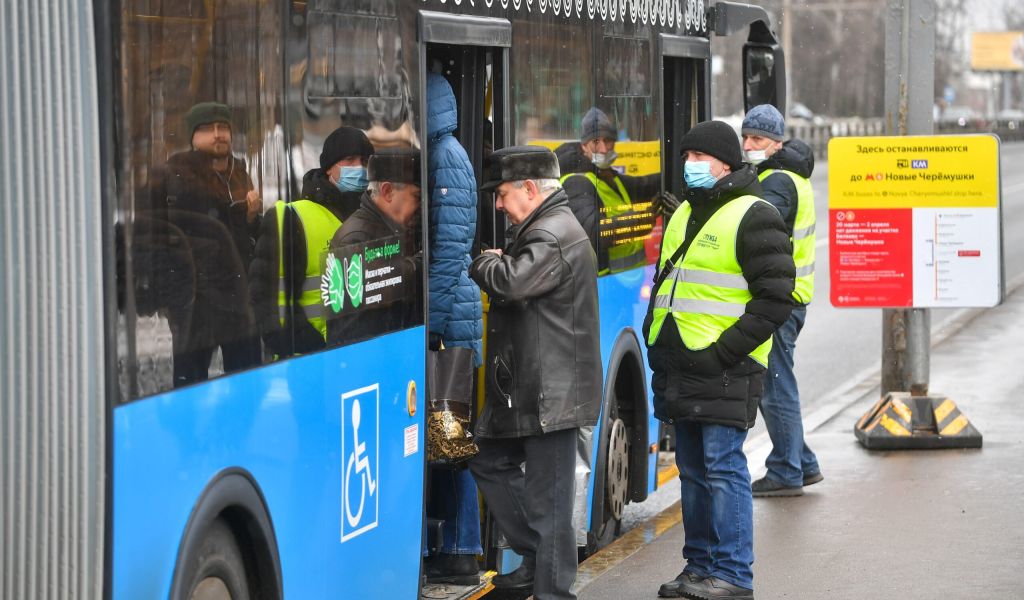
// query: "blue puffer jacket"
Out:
[455,309]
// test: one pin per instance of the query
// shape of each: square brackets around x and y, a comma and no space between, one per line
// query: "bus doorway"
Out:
[471,54]
[685,101]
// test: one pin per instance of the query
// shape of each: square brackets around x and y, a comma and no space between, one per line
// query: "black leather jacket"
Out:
[543,363]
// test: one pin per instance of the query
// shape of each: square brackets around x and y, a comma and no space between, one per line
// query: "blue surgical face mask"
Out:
[698,174]
[352,179]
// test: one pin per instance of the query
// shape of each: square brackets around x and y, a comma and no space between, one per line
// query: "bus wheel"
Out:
[617,476]
[608,525]
[217,571]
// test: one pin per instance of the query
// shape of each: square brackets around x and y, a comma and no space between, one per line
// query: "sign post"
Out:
[914,224]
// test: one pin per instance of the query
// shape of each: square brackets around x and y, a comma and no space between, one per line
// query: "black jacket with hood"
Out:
[722,384]
[543,366]
[297,336]
[779,189]
[583,197]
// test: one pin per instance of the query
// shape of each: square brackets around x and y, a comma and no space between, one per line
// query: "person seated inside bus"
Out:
[203,198]
[615,209]
[456,320]
[372,271]
[285,275]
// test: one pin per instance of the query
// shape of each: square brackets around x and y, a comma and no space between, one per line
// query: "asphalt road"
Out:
[841,347]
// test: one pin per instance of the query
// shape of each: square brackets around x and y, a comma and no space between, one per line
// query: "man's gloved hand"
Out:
[665,204]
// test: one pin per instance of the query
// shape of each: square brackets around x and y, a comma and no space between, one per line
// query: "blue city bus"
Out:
[212,453]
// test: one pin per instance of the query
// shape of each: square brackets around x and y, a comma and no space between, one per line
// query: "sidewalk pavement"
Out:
[924,524]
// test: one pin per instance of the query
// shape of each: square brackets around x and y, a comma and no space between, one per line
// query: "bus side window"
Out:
[204,156]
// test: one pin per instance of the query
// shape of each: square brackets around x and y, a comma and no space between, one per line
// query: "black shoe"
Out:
[672,588]
[456,569]
[813,478]
[765,487]
[520,579]
[713,588]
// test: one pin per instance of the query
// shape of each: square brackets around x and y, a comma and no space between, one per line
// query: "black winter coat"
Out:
[198,215]
[584,201]
[297,336]
[543,366]
[779,189]
[722,384]
[366,226]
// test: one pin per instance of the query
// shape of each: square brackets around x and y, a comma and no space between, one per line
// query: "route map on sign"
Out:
[915,221]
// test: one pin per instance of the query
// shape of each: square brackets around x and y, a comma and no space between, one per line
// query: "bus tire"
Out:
[607,526]
[230,529]
[217,570]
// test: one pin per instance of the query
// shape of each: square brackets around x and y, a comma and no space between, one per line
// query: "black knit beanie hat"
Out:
[717,139]
[345,141]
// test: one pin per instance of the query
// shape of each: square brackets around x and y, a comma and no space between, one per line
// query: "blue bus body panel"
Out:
[623,299]
[291,426]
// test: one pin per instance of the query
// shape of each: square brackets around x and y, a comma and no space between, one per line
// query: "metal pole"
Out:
[909,82]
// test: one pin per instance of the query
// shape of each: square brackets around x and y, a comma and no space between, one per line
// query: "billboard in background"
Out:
[997,51]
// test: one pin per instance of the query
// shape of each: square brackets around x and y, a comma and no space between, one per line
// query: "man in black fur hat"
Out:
[543,369]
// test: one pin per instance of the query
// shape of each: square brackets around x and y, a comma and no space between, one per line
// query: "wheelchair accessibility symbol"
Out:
[360,449]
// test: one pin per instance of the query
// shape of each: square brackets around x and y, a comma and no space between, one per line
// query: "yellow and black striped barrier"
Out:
[901,421]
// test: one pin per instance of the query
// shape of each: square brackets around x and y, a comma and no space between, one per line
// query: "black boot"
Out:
[673,589]
[520,579]
[456,569]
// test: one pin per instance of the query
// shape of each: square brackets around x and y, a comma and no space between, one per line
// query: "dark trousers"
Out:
[196,339]
[534,509]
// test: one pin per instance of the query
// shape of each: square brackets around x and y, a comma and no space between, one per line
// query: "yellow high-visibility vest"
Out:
[706,292]
[318,226]
[624,256]
[803,235]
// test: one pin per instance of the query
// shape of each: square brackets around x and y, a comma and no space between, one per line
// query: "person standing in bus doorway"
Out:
[206,194]
[455,319]
[387,214]
[784,169]
[602,198]
[725,277]
[543,369]
[291,244]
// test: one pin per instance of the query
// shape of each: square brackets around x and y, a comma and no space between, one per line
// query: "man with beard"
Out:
[205,197]
[725,277]
[286,273]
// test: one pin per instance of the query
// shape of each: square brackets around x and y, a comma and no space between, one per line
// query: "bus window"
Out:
[202,125]
[366,278]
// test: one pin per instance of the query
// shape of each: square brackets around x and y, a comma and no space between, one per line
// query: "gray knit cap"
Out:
[597,124]
[766,121]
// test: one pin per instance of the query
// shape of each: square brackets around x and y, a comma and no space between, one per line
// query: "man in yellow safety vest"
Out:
[784,169]
[614,209]
[725,277]
[286,273]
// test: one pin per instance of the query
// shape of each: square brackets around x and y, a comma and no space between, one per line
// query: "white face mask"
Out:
[757,156]
[603,160]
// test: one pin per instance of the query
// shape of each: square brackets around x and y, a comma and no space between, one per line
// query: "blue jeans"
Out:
[718,507]
[790,459]
[453,499]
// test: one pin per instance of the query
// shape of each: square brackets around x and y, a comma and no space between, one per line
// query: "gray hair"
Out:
[374,187]
[543,185]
